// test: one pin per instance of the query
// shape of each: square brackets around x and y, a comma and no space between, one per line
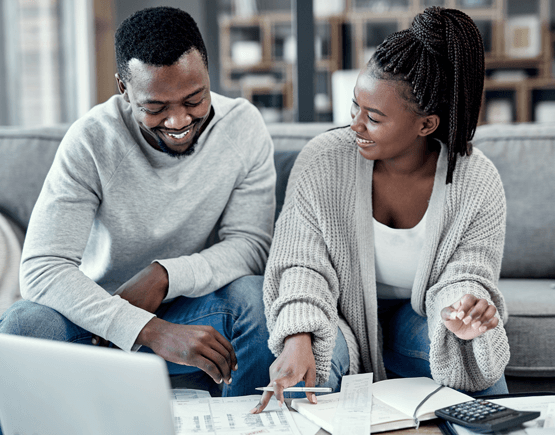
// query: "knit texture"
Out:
[321,263]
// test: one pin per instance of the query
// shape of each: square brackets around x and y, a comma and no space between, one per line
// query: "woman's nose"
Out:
[356,125]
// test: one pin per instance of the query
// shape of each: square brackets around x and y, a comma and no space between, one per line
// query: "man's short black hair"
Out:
[157,36]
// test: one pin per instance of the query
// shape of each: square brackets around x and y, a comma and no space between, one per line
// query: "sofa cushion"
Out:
[524,155]
[294,136]
[11,241]
[531,325]
[25,158]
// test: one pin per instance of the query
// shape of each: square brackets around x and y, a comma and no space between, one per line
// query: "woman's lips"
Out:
[364,142]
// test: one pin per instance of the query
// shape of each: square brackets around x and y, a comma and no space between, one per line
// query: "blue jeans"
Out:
[236,311]
[406,348]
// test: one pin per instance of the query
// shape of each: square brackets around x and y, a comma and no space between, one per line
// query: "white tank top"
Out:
[397,253]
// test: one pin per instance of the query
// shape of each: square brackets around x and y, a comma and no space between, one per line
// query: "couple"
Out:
[154,225]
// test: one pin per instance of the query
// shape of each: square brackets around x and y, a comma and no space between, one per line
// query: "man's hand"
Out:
[146,290]
[192,345]
[295,364]
[470,317]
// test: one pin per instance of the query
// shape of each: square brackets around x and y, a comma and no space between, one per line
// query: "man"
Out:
[158,206]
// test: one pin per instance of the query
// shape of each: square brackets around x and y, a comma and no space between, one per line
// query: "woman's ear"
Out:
[430,123]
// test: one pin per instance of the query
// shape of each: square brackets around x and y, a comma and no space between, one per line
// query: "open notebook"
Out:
[59,388]
[394,403]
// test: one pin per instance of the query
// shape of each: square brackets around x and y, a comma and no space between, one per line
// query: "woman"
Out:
[395,225]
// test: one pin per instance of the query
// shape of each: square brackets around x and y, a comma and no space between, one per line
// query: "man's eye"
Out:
[195,104]
[152,112]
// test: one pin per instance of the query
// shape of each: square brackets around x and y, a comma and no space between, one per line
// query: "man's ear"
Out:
[121,87]
[430,124]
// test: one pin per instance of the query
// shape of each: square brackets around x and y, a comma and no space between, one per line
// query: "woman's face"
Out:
[386,129]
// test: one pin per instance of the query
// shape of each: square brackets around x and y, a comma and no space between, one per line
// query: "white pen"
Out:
[299,389]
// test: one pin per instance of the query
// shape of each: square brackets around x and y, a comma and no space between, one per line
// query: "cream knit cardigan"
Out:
[321,264]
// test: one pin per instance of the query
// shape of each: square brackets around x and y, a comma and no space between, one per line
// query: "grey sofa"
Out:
[524,155]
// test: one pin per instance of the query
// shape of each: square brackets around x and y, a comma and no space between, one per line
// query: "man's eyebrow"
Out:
[162,103]
[371,109]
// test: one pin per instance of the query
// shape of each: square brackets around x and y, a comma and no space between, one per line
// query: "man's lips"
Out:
[178,135]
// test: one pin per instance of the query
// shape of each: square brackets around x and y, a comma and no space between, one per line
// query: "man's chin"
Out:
[174,153]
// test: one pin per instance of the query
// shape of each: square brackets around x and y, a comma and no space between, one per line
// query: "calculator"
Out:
[483,416]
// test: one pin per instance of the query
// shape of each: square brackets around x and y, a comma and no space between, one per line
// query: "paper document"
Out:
[197,413]
[354,412]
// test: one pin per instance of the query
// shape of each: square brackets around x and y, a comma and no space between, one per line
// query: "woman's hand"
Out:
[470,317]
[295,364]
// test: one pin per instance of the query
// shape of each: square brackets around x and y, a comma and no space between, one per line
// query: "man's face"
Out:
[172,104]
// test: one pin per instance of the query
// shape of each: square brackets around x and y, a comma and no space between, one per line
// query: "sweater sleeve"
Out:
[301,287]
[474,268]
[56,238]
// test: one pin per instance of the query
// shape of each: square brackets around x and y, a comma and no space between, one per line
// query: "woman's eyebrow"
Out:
[371,109]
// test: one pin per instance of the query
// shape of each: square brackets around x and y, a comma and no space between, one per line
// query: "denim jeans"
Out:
[407,345]
[236,311]
[406,348]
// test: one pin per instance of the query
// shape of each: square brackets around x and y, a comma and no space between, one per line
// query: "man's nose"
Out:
[178,118]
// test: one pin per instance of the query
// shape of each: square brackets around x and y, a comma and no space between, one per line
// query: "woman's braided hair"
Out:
[441,56]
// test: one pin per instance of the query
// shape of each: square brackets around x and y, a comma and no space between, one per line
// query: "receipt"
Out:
[550,417]
[354,412]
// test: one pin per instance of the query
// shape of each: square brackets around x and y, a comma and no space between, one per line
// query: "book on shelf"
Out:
[396,404]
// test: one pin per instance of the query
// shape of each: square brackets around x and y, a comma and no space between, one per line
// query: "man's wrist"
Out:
[162,278]
[150,332]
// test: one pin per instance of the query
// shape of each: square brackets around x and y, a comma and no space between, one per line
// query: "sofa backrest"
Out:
[26,155]
[524,155]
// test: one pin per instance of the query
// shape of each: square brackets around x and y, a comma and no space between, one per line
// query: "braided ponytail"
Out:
[441,56]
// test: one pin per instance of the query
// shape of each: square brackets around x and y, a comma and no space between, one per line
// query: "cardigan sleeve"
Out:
[473,268]
[301,287]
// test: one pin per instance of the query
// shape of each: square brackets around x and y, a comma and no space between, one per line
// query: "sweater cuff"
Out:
[181,279]
[126,326]
[297,317]
[470,365]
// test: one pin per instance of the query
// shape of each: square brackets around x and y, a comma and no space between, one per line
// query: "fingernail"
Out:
[453,315]
[230,380]
[236,367]
[483,329]
[253,410]
[476,324]
[95,340]
[280,403]
[467,320]
[460,314]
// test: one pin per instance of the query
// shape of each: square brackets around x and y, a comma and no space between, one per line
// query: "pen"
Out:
[299,389]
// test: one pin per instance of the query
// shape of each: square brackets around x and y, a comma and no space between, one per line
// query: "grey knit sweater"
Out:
[321,264]
[112,204]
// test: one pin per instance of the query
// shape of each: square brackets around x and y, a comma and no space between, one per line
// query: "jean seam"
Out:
[410,353]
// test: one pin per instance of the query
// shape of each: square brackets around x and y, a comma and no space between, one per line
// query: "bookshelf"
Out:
[346,40]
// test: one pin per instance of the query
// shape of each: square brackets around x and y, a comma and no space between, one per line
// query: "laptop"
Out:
[55,388]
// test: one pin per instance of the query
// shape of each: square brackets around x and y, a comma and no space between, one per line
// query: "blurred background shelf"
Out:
[518,40]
